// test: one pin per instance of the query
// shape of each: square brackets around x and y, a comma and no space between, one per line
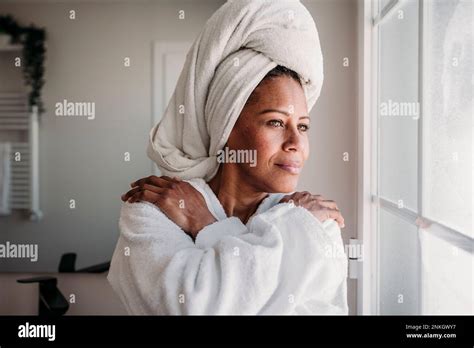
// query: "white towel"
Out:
[5,149]
[239,45]
[283,261]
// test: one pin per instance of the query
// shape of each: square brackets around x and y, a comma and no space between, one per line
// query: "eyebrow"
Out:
[279,111]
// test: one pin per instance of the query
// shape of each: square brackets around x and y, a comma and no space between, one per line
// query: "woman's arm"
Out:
[265,269]
[177,199]
[186,207]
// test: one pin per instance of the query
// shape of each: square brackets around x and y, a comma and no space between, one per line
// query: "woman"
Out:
[223,238]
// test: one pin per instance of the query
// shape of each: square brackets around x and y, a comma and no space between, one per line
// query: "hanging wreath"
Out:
[32,40]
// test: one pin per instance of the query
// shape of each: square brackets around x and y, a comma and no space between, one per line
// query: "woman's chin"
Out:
[285,184]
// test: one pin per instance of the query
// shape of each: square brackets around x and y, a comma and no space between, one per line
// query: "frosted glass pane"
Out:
[447,276]
[398,105]
[448,119]
[399,265]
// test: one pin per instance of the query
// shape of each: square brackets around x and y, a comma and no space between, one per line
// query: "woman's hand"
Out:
[177,199]
[321,208]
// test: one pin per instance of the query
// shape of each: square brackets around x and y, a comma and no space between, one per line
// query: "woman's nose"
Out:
[293,140]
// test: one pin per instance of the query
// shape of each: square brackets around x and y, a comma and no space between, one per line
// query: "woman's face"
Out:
[274,123]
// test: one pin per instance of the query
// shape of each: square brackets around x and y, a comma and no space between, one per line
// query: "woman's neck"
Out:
[236,195]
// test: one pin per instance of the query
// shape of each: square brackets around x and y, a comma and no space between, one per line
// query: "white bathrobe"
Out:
[283,261]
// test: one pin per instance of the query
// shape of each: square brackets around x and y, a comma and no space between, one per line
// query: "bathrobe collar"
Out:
[215,206]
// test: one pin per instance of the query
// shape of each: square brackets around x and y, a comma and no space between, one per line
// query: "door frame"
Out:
[367,289]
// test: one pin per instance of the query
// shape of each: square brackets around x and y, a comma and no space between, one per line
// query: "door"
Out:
[168,61]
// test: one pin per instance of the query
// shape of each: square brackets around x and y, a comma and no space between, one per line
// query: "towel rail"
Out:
[24,183]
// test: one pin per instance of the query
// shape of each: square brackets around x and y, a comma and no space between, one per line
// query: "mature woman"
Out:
[217,234]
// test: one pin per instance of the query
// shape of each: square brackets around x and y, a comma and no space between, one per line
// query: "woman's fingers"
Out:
[130,193]
[334,214]
[152,183]
[329,204]
[285,198]
[173,179]
[334,211]
[322,208]
[154,188]
[163,181]
[145,187]
[148,196]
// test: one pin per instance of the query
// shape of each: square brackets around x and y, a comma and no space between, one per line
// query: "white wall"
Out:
[334,118]
[83,159]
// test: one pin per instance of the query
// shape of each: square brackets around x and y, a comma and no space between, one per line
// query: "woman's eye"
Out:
[305,127]
[275,123]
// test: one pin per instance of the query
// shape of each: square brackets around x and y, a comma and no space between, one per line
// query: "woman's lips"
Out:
[291,168]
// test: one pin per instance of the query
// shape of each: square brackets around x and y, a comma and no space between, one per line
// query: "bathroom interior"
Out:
[403,183]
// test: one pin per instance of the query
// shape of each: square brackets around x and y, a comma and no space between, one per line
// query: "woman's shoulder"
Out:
[142,215]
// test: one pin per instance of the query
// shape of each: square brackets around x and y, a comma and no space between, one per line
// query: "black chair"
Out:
[51,301]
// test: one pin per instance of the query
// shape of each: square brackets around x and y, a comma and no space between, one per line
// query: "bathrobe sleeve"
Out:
[264,268]
[327,291]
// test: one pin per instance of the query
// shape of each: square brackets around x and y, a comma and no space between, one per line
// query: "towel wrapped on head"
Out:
[239,45]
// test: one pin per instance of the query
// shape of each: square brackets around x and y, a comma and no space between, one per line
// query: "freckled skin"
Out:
[275,142]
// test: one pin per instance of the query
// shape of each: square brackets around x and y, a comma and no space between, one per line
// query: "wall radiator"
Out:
[17,117]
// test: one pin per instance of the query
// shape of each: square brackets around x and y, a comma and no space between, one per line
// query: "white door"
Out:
[168,61]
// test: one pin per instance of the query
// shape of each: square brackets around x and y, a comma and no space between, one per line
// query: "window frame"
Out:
[369,199]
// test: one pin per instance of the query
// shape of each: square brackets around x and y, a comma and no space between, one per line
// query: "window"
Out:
[424,156]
